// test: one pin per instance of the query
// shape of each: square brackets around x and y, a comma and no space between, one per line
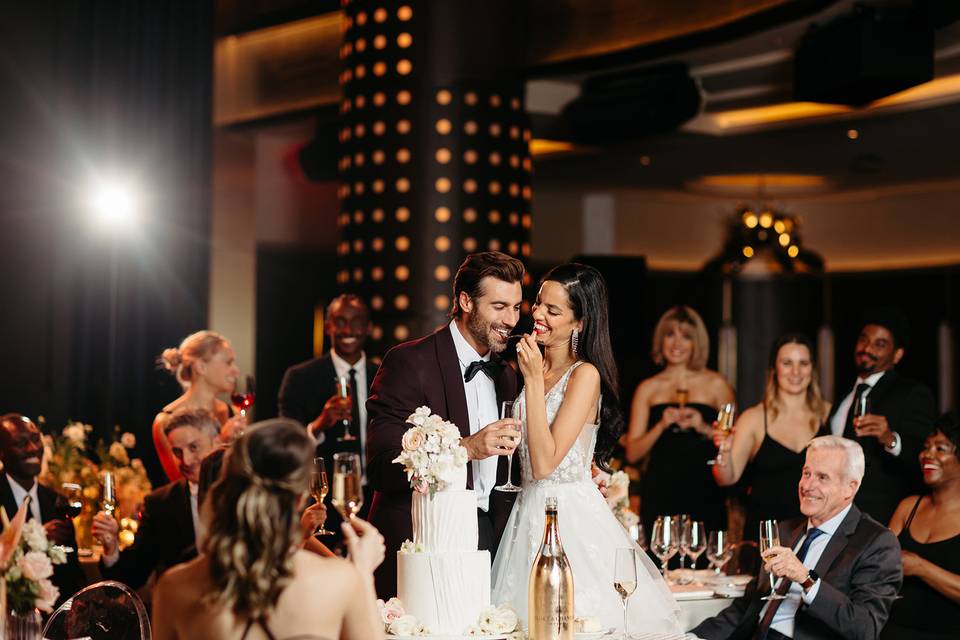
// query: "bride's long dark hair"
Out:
[587,292]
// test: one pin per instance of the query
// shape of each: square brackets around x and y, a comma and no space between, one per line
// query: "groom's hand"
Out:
[496,439]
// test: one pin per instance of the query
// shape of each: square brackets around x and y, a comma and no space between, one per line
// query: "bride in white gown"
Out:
[559,408]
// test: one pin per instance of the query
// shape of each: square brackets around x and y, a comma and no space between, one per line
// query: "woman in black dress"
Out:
[929,531]
[771,437]
[670,422]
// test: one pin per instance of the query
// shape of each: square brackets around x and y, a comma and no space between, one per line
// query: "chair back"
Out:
[106,610]
[745,560]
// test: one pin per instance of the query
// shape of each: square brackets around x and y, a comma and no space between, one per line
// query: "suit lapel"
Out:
[452,378]
[839,541]
[182,510]
[880,390]
[6,497]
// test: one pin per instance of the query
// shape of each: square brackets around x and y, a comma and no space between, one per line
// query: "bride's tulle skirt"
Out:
[590,535]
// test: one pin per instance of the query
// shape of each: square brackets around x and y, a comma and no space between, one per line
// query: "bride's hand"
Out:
[529,357]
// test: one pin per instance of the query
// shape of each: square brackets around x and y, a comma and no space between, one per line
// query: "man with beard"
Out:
[455,371]
[900,412]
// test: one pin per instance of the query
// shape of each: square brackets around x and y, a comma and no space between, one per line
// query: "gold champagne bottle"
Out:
[550,591]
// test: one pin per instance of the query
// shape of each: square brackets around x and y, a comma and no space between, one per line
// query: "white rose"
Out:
[47,595]
[35,536]
[422,630]
[58,554]
[392,611]
[403,626]
[504,619]
[488,620]
[460,456]
[413,439]
[35,565]
[75,433]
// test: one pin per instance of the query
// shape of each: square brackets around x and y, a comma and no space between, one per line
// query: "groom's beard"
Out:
[483,332]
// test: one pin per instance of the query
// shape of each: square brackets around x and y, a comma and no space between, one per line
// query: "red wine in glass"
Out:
[244,395]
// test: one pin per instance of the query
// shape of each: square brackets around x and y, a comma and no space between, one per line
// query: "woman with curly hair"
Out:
[253,579]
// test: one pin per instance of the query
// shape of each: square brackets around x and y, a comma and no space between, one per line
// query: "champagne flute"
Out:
[343,390]
[506,411]
[347,492]
[719,550]
[108,493]
[243,396]
[319,488]
[683,396]
[725,426]
[73,499]
[625,578]
[664,542]
[770,537]
[696,535]
[861,407]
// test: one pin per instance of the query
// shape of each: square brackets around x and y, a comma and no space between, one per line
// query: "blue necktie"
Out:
[764,627]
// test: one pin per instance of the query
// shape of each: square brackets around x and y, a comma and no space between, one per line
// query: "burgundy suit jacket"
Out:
[413,374]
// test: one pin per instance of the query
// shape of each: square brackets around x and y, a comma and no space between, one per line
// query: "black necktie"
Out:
[848,430]
[491,367]
[784,586]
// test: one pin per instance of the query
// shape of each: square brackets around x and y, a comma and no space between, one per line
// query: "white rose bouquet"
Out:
[431,451]
[31,566]
[496,621]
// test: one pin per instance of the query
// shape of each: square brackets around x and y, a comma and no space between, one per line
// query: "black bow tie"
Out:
[491,367]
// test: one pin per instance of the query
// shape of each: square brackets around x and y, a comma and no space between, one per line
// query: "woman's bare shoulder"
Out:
[184,581]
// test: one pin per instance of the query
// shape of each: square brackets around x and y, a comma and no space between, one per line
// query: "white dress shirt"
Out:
[784,619]
[839,420]
[481,396]
[342,367]
[195,511]
[19,493]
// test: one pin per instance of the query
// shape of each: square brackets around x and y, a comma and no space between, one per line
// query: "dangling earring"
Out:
[574,340]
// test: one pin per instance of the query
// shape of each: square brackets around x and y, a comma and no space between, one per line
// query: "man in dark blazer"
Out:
[840,573]
[169,519]
[309,395]
[900,413]
[452,372]
[21,449]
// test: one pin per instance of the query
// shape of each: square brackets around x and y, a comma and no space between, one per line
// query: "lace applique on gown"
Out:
[589,532]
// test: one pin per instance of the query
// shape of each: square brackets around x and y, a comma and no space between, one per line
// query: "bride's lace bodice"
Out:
[575,466]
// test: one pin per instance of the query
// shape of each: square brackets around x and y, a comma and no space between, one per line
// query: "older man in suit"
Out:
[899,414]
[453,371]
[840,573]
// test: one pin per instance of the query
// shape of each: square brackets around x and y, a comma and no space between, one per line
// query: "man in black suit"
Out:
[452,372]
[840,573]
[309,395]
[21,449]
[169,521]
[900,413]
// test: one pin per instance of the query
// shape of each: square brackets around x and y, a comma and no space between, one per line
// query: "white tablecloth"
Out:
[693,612]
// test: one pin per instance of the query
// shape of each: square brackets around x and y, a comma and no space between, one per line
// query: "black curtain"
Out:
[94,90]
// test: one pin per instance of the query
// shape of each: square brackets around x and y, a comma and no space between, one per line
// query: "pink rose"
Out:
[392,611]
[46,596]
[35,565]
[413,439]
[420,485]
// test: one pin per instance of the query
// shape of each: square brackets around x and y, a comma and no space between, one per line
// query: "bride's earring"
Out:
[574,340]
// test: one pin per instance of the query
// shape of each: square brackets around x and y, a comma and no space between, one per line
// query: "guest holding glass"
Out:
[772,436]
[670,423]
[252,579]
[928,527]
[205,366]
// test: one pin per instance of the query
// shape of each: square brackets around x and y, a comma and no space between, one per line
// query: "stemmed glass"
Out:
[682,521]
[506,411]
[861,407]
[347,492]
[343,390]
[665,540]
[625,578]
[770,537]
[244,395]
[725,426]
[73,499]
[319,487]
[695,536]
[719,550]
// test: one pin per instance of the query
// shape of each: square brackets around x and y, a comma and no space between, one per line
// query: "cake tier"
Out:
[445,591]
[445,522]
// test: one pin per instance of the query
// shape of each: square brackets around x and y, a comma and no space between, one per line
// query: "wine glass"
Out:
[625,578]
[638,535]
[696,536]
[243,396]
[108,493]
[770,537]
[683,396]
[725,426]
[719,550]
[319,488]
[665,540]
[72,498]
[347,492]
[682,521]
[506,411]
[343,390]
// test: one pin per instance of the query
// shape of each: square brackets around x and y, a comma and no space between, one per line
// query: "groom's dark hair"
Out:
[478,266]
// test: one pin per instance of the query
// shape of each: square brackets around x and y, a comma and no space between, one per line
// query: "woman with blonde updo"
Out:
[253,579]
[205,366]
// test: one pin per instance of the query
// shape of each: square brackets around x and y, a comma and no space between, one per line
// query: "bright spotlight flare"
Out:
[114,203]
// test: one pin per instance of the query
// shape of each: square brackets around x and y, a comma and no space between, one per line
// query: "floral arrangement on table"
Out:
[618,497]
[67,458]
[502,620]
[431,451]
[28,569]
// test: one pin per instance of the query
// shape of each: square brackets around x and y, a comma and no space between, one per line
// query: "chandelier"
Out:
[764,240]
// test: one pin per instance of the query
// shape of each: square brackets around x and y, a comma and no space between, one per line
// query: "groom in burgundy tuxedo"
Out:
[455,372]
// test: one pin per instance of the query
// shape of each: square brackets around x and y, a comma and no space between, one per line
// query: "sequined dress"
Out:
[590,535]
